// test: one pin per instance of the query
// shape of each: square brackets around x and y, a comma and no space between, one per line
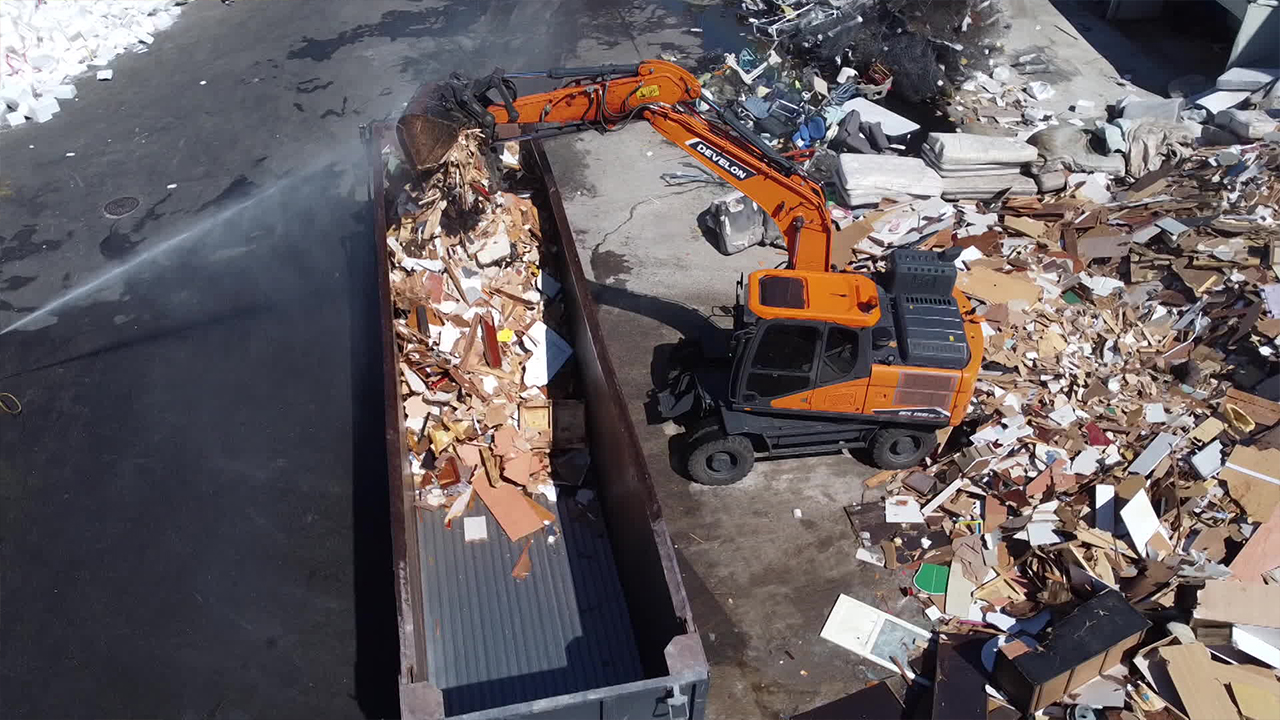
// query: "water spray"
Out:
[150,254]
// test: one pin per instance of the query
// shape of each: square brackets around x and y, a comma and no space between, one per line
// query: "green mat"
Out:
[932,579]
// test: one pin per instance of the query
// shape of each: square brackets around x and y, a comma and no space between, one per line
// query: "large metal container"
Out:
[602,628]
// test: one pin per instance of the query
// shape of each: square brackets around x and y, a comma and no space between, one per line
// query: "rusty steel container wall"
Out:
[404,544]
[670,650]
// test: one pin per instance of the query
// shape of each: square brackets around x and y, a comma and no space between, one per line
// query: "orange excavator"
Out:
[819,360]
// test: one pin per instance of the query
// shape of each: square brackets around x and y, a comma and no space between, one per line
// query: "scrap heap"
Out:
[851,88]
[795,83]
[1123,470]
[474,321]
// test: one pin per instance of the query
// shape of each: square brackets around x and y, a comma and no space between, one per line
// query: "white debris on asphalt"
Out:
[45,45]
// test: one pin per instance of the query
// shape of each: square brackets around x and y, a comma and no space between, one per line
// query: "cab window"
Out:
[839,354]
[782,363]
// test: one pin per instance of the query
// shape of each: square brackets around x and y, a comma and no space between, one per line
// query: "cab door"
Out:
[844,371]
[780,370]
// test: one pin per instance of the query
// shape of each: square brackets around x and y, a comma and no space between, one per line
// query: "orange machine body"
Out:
[853,301]
[809,291]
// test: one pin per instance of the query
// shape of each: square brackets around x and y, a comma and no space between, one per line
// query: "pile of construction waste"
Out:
[481,345]
[820,87]
[1102,538]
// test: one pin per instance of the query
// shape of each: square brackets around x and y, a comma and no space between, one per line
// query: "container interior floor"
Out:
[494,641]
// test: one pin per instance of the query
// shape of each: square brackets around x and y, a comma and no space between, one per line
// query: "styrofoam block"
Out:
[15,118]
[106,74]
[62,92]
[41,60]
[16,95]
[44,109]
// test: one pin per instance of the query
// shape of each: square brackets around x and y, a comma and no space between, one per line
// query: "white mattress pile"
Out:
[46,45]
[868,179]
[965,155]
[978,166]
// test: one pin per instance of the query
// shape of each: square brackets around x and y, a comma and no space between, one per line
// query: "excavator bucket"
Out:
[430,125]
[438,113]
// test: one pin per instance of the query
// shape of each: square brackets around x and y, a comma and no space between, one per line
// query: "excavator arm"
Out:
[608,97]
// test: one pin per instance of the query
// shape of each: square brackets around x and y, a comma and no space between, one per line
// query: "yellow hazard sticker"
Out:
[644,92]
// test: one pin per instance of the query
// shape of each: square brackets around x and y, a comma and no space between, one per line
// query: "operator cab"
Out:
[839,344]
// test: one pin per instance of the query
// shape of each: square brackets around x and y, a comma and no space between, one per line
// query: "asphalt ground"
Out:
[193,507]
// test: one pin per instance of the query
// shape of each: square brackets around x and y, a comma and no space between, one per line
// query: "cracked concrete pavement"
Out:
[761,581]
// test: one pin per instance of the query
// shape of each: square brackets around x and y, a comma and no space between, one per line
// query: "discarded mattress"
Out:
[893,124]
[866,179]
[1248,124]
[963,149]
[978,187]
[926,153]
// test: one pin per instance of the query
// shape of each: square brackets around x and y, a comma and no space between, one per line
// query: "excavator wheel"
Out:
[718,459]
[898,448]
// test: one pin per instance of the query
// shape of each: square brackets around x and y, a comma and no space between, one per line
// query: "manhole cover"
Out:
[120,207]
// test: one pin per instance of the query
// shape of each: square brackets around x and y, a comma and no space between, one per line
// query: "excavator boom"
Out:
[822,360]
[608,97]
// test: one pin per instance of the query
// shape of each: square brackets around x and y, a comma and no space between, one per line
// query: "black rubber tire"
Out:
[718,459]
[898,448]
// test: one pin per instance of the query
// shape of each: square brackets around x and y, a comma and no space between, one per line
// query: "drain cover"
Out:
[121,206]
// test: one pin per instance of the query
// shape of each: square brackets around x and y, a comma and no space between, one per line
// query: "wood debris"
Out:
[481,338]
[1124,438]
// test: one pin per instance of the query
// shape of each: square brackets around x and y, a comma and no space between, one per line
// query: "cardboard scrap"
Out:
[1261,553]
[1203,697]
[1229,601]
[516,513]
[524,565]
[996,287]
[1253,702]
[1207,430]
[1024,225]
[1253,479]
[1102,242]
